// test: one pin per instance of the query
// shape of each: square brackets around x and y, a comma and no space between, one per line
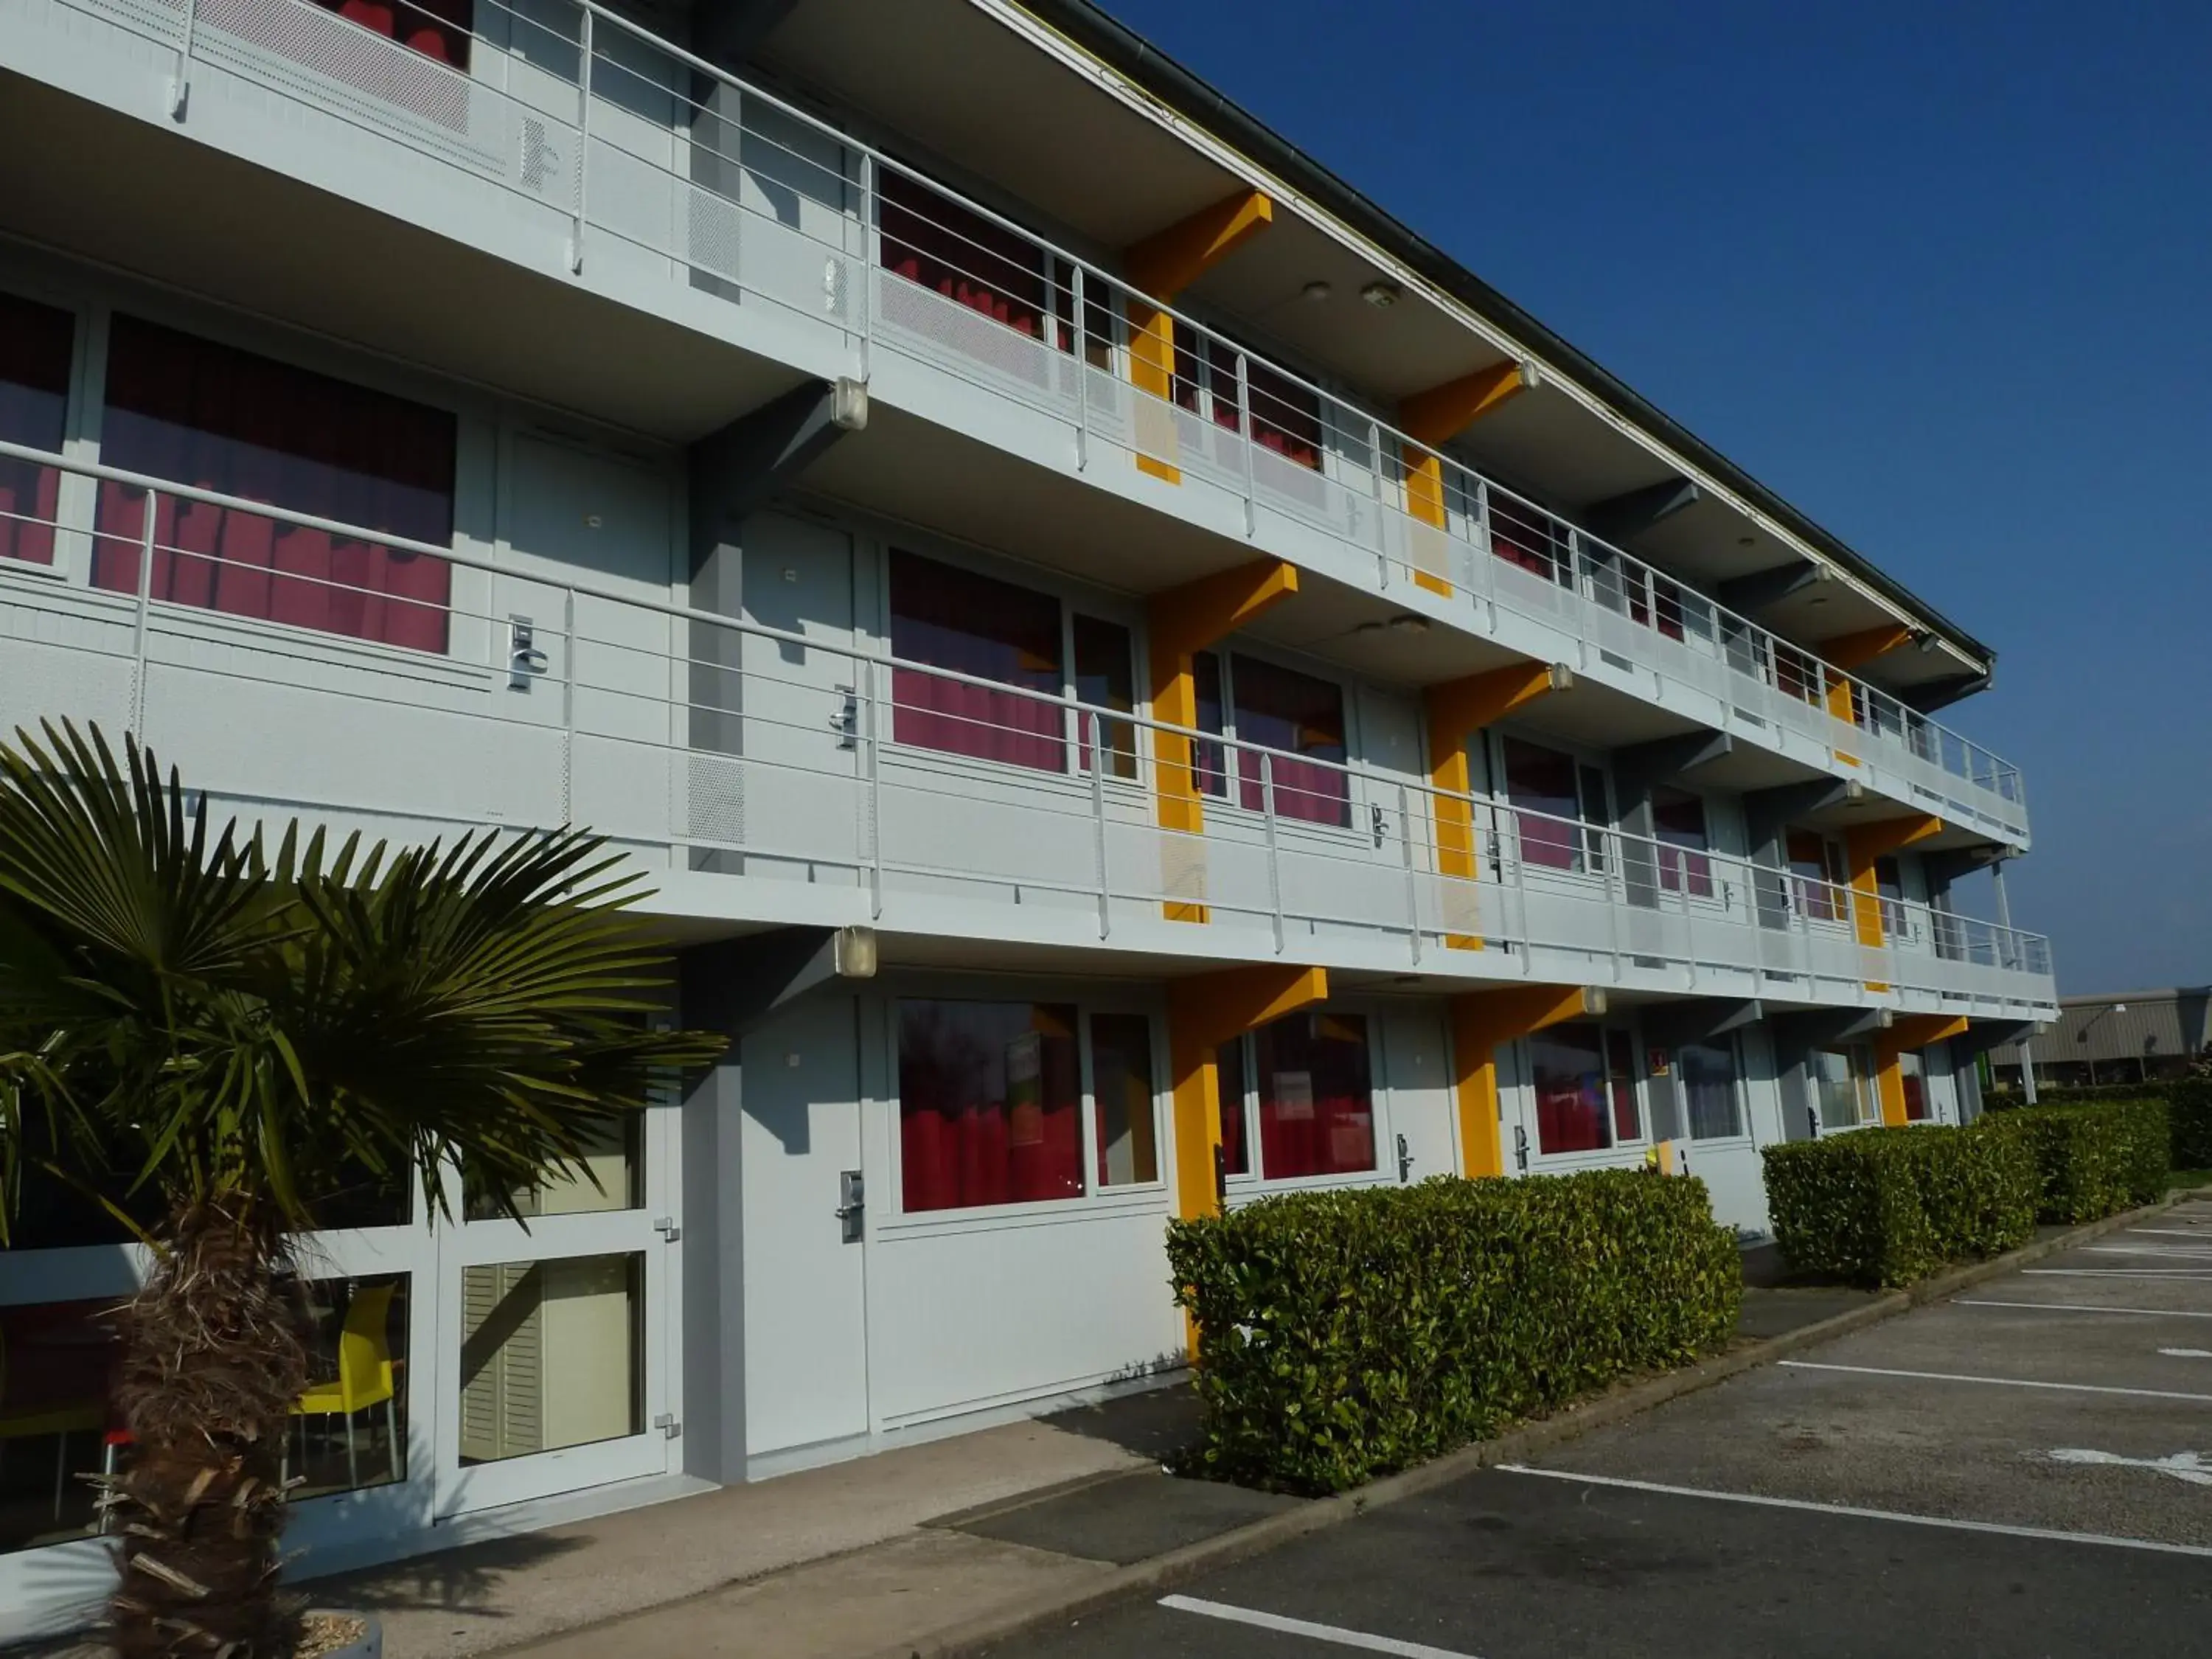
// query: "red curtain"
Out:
[931,240]
[35,343]
[1229,1077]
[955,619]
[1569,1078]
[207,415]
[437,28]
[990,1104]
[1523,536]
[1540,780]
[1316,1106]
[1281,709]
[1678,819]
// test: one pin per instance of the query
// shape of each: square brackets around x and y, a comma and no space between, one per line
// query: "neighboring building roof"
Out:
[1130,54]
[2123,1025]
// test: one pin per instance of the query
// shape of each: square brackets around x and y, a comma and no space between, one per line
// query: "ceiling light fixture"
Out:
[1316,291]
[1380,296]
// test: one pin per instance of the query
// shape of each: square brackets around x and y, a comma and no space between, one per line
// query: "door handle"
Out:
[845,722]
[1520,1147]
[525,661]
[1405,1160]
[852,1204]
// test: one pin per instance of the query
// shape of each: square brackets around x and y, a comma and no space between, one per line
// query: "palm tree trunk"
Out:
[213,1360]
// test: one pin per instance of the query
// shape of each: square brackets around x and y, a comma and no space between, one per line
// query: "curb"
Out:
[973,1637]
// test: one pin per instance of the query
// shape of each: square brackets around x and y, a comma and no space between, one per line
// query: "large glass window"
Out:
[1105,678]
[1709,1094]
[349,1425]
[931,240]
[1282,709]
[947,618]
[990,1104]
[552,1355]
[438,29]
[1541,780]
[35,345]
[209,417]
[57,1423]
[1235,1140]
[1317,1104]
[1531,538]
[1121,1084]
[1210,760]
[1568,1072]
[1821,874]
[611,1177]
[1914,1077]
[1838,1082]
[1678,819]
[1620,1080]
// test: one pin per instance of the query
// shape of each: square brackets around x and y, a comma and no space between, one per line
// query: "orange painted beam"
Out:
[1848,651]
[1179,624]
[1480,1021]
[1455,709]
[1863,844]
[1910,1032]
[1162,266]
[1204,1012]
[1430,417]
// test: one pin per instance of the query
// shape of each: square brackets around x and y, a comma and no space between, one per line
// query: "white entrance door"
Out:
[1423,1112]
[806,1353]
[553,1362]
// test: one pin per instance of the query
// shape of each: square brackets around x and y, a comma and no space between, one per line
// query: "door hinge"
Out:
[669,1231]
[669,1427]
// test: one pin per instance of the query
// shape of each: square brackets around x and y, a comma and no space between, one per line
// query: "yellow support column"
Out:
[1179,624]
[1455,709]
[1850,651]
[1204,1012]
[1162,266]
[1442,412]
[1863,847]
[1480,1021]
[1910,1032]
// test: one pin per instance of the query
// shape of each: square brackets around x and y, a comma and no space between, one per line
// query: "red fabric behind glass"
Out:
[952,618]
[1678,819]
[1521,535]
[1105,678]
[936,242]
[1316,1108]
[1540,780]
[1280,708]
[1620,1079]
[207,415]
[437,28]
[1229,1078]
[1569,1079]
[35,342]
[1209,760]
[990,1104]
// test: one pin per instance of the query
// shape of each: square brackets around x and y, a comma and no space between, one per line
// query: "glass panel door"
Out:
[555,1370]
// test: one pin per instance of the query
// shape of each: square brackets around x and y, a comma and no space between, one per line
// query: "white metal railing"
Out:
[670,159]
[706,743]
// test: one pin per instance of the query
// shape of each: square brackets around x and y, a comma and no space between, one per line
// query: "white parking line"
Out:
[1343,1638]
[2187,1353]
[2001,1381]
[2085,1307]
[2176,1252]
[2102,1539]
[2183,1275]
[2204,1233]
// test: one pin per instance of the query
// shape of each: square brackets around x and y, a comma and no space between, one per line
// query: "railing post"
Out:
[1412,878]
[1251,442]
[180,85]
[568,706]
[1098,821]
[871,262]
[875,787]
[139,618]
[583,143]
[1082,372]
[1274,859]
[1381,524]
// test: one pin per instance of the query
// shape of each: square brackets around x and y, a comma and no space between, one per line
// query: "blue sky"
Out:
[1940,275]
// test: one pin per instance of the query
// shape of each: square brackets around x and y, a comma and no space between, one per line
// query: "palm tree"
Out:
[236,1033]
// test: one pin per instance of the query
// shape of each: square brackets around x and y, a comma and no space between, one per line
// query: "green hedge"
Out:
[1890,1206]
[1349,1334]
[2189,1112]
[2097,1158]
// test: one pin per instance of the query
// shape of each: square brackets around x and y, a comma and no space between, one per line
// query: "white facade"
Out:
[519,454]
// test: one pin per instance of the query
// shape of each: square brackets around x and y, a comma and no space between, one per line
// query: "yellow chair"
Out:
[61,1421]
[364,1378]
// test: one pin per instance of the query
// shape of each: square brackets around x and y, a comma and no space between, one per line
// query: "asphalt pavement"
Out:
[2024,1470]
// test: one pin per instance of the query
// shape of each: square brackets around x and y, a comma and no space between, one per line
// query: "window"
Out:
[1837,1081]
[1121,1084]
[990,1100]
[349,1428]
[1708,1074]
[1889,882]
[947,618]
[35,345]
[552,1355]
[1229,1076]
[1316,1106]
[1530,538]
[438,29]
[1677,820]
[1541,780]
[58,1365]
[1211,759]
[1282,709]
[1106,678]
[1620,1078]
[1913,1076]
[1821,874]
[1567,1069]
[972,261]
[208,416]
[1286,416]
[1800,675]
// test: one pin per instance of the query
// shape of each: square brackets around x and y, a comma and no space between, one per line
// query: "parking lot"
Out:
[2025,1469]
